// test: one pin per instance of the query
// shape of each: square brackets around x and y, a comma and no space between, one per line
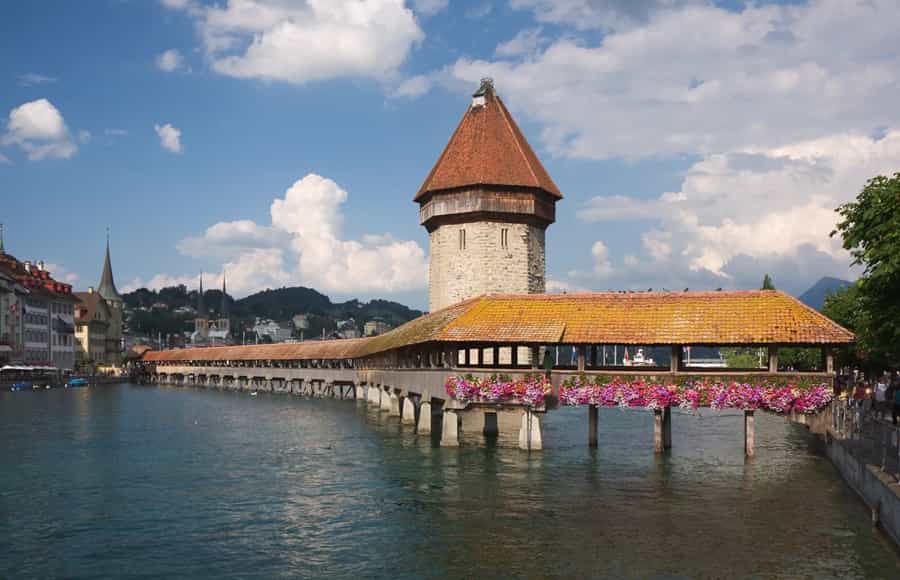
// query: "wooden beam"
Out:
[580,353]
[773,359]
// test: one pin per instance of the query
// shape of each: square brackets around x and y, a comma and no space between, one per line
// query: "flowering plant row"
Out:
[777,398]
[530,390]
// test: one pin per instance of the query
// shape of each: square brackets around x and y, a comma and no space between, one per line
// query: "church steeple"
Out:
[107,286]
[223,312]
[201,309]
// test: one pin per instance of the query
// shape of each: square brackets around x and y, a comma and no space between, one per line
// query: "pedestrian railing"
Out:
[868,433]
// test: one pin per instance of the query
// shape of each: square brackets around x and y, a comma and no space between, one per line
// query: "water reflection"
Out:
[193,483]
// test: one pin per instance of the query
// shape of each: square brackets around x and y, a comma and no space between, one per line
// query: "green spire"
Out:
[107,287]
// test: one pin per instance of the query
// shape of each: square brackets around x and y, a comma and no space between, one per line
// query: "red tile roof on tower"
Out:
[487,149]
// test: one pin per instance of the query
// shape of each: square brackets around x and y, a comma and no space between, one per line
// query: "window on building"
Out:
[462,239]
[504,238]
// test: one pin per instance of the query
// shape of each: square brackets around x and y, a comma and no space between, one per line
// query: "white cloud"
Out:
[604,14]
[61,273]
[429,7]
[38,128]
[169,60]
[525,42]
[32,79]
[413,87]
[169,137]
[229,238]
[739,215]
[300,42]
[4,159]
[305,245]
[766,76]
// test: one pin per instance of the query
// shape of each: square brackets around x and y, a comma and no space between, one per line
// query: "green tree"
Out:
[870,230]
[767,283]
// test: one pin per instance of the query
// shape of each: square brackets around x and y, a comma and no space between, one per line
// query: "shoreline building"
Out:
[37,325]
[486,204]
[99,319]
[209,331]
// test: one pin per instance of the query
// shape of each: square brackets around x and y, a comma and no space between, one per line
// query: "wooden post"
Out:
[496,356]
[580,351]
[535,355]
[749,442]
[658,431]
[667,428]
[675,359]
[773,359]
[592,425]
[514,355]
[829,361]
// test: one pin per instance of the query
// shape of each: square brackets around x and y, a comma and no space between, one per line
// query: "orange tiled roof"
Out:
[488,148]
[756,317]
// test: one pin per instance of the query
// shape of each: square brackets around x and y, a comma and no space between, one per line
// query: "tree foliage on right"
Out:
[870,230]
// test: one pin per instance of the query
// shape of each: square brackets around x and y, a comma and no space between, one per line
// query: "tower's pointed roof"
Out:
[107,287]
[487,149]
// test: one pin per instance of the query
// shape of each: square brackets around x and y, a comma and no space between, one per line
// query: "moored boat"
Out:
[77,382]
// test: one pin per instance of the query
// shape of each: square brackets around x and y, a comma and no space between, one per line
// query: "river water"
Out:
[146,482]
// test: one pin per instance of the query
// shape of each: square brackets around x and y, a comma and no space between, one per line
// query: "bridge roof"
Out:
[756,317]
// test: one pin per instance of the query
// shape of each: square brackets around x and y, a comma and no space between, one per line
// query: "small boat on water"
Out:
[21,386]
[253,394]
[77,382]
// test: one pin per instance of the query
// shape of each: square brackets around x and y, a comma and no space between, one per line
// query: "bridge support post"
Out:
[530,433]
[749,436]
[450,429]
[593,419]
[385,401]
[658,446]
[424,426]
[667,428]
[409,412]
[395,404]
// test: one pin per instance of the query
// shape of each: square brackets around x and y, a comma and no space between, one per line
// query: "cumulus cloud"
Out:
[300,42]
[525,42]
[38,128]
[61,273]
[739,215]
[169,60]
[169,137]
[765,76]
[305,245]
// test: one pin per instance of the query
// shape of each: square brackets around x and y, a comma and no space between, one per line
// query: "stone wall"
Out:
[484,266]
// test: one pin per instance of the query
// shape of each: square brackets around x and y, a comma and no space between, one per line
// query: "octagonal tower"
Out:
[486,204]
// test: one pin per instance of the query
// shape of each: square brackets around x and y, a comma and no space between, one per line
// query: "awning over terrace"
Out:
[759,317]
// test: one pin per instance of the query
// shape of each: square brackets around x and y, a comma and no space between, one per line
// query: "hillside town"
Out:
[46,324]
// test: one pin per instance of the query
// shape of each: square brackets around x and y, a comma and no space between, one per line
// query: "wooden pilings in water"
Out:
[593,416]
[662,429]
[749,435]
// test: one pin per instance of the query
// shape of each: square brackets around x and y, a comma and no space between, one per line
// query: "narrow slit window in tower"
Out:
[462,239]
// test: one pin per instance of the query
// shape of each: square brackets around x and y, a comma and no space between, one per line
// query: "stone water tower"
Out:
[486,204]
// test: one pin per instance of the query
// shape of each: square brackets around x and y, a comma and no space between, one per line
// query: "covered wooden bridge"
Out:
[479,366]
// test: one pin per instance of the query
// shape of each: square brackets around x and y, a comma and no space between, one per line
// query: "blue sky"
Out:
[697,144]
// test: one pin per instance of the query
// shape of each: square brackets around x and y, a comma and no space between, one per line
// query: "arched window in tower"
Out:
[462,239]
[504,238]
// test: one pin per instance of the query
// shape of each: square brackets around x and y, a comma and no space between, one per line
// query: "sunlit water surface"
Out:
[130,481]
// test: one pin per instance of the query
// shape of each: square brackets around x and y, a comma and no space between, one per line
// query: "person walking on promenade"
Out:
[881,400]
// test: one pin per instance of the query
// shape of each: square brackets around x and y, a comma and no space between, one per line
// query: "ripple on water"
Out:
[152,482]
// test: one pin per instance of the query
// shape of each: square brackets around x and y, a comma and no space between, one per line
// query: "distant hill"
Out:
[280,305]
[815,296]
